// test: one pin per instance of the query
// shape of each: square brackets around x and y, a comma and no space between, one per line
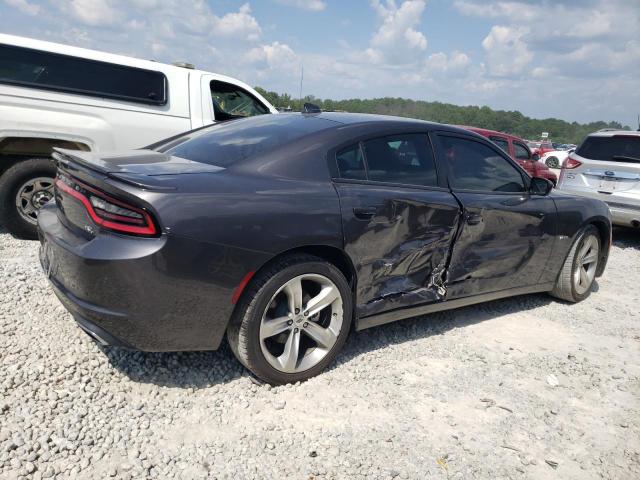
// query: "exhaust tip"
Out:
[635,223]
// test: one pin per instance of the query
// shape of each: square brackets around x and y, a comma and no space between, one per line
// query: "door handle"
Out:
[474,219]
[364,213]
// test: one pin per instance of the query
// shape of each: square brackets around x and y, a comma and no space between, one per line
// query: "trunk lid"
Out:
[609,177]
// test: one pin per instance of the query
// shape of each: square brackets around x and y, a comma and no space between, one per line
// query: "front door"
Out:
[507,234]
[398,222]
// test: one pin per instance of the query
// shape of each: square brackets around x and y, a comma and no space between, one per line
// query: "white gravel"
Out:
[520,388]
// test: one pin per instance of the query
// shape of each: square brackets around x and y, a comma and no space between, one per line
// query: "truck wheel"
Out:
[24,188]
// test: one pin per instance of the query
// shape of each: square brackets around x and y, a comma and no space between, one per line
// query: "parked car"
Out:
[285,231]
[606,166]
[541,147]
[517,149]
[555,158]
[54,95]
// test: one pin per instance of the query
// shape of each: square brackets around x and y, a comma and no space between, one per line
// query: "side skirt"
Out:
[402,313]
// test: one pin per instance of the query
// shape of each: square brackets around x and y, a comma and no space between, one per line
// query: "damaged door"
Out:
[506,234]
[398,221]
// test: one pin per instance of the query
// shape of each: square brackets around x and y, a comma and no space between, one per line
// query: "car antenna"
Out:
[311,108]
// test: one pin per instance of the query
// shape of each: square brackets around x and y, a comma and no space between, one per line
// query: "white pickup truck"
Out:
[54,95]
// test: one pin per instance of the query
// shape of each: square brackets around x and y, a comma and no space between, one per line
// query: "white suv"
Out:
[54,95]
[607,166]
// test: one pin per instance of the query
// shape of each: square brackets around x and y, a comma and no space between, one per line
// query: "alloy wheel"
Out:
[32,195]
[586,264]
[301,323]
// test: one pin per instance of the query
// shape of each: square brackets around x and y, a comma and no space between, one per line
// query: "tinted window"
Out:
[406,159]
[231,101]
[520,151]
[619,148]
[501,142]
[475,166]
[53,71]
[351,163]
[227,143]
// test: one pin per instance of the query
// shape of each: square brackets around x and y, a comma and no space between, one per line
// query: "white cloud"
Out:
[441,62]
[272,56]
[397,40]
[24,6]
[312,5]
[92,12]
[507,53]
[238,24]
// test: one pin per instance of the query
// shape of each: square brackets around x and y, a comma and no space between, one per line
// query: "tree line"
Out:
[512,122]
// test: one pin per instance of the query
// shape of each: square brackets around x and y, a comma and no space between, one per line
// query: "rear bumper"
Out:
[152,294]
[621,214]
[624,215]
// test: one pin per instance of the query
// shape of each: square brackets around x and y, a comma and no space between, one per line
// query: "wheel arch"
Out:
[333,255]
[33,146]
[605,232]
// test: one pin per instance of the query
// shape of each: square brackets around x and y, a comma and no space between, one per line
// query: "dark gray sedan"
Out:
[285,231]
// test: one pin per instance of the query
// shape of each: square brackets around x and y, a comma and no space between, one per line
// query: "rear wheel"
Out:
[552,162]
[293,320]
[24,189]
[579,270]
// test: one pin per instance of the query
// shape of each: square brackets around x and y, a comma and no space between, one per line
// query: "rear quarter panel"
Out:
[574,213]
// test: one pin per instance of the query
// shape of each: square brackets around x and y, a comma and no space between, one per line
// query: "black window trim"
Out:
[526,179]
[90,93]
[335,171]
[522,144]
[493,138]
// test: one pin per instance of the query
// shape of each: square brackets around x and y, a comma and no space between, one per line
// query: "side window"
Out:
[351,163]
[502,143]
[231,101]
[64,73]
[521,151]
[406,159]
[475,166]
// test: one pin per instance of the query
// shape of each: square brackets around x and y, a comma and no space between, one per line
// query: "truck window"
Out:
[231,101]
[27,67]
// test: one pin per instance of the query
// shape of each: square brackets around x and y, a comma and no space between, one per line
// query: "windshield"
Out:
[226,143]
[619,148]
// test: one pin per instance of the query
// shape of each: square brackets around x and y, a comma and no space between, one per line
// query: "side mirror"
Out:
[535,157]
[540,186]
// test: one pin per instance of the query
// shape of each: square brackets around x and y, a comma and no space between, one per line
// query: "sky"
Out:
[578,60]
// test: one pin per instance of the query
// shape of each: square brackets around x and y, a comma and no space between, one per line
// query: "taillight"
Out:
[106,211]
[570,163]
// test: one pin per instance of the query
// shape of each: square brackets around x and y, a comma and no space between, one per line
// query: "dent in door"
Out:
[415,244]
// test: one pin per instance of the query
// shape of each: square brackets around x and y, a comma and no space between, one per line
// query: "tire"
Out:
[552,162]
[39,172]
[568,287]
[267,297]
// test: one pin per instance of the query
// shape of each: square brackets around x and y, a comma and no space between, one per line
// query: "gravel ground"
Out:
[520,388]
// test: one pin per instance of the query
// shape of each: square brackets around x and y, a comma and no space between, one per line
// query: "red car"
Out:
[518,150]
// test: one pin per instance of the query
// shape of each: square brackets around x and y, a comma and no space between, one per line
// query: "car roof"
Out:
[344,118]
[485,132]
[613,133]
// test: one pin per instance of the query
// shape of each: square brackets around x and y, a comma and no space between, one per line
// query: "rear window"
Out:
[226,143]
[618,148]
[53,71]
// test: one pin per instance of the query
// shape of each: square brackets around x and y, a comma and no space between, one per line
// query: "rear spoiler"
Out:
[66,158]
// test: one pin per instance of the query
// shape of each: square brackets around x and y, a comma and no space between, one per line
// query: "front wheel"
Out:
[24,189]
[579,269]
[293,320]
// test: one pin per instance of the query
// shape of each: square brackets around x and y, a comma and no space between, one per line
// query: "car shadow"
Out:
[626,237]
[200,370]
